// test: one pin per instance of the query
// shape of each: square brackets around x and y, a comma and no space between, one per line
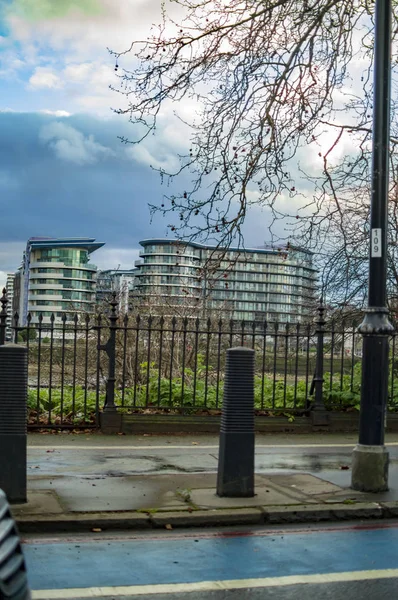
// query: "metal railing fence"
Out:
[81,364]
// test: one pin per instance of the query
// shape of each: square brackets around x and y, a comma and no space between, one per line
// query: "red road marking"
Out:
[199,535]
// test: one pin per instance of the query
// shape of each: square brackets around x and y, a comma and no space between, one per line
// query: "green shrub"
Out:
[193,393]
[23,334]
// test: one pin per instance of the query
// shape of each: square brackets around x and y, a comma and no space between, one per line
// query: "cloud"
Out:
[45,77]
[81,33]
[158,159]
[73,177]
[55,113]
[10,259]
[60,49]
[77,85]
[35,10]
[3,280]
[71,145]
[113,258]
[78,73]
[105,195]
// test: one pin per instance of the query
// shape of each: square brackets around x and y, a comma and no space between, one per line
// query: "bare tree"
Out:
[344,255]
[269,78]
[271,81]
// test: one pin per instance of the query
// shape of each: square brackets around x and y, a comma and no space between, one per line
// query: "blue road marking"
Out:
[82,564]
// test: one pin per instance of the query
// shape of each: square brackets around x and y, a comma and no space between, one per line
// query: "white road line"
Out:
[193,447]
[209,586]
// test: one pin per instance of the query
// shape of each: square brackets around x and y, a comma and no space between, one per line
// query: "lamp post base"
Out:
[370,468]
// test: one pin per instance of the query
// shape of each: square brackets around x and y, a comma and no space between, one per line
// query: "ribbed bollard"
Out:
[236,455]
[13,397]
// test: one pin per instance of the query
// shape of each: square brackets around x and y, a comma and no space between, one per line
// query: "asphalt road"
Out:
[339,561]
[378,589]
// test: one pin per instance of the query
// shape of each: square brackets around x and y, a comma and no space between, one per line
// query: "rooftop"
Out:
[260,250]
[74,242]
[116,272]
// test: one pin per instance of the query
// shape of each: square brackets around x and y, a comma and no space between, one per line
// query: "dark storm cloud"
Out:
[72,177]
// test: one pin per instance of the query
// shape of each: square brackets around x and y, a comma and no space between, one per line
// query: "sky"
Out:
[63,170]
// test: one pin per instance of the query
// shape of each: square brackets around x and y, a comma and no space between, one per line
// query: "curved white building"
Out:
[265,284]
[57,277]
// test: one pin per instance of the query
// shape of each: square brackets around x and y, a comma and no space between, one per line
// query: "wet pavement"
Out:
[116,473]
[97,485]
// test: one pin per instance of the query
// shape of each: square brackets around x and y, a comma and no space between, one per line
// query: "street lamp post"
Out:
[370,457]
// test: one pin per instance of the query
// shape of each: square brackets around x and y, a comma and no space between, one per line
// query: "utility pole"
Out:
[370,457]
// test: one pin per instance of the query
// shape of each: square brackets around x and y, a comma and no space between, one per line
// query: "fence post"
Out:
[110,419]
[3,317]
[236,456]
[319,416]
[110,349]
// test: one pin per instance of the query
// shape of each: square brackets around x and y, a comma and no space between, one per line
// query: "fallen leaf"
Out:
[195,443]
[96,530]
[168,526]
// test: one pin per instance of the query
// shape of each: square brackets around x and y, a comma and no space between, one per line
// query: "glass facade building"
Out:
[119,281]
[242,284]
[57,277]
[10,297]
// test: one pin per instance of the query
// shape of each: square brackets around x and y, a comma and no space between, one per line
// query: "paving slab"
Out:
[174,491]
[121,492]
[305,483]
[344,495]
[39,502]
[264,495]
[111,462]
[75,488]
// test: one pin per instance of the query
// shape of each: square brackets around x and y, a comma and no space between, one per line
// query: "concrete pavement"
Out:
[80,482]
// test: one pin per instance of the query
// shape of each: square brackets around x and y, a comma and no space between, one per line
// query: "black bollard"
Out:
[13,398]
[236,455]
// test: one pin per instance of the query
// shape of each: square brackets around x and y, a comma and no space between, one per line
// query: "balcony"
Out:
[38,264]
[45,286]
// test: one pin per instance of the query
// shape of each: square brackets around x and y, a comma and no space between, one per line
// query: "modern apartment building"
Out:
[56,277]
[242,284]
[120,281]
[10,295]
